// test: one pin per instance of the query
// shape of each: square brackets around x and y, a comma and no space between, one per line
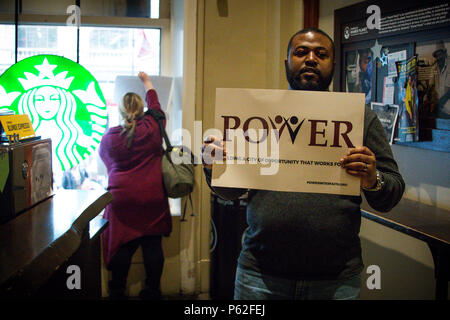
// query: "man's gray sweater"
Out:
[314,236]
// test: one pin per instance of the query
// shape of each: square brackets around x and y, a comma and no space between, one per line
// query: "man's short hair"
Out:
[306,30]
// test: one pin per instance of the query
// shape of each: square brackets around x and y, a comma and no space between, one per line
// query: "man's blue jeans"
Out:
[251,285]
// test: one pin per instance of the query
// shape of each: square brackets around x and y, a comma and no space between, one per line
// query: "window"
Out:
[7,34]
[41,39]
[108,47]
[109,52]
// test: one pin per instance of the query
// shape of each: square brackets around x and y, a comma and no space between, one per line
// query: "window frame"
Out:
[104,21]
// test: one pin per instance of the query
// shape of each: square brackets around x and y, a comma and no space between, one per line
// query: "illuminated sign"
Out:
[62,99]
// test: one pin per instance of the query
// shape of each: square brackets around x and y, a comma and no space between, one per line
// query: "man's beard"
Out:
[296,83]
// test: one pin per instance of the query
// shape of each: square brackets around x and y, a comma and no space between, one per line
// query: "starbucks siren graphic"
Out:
[63,101]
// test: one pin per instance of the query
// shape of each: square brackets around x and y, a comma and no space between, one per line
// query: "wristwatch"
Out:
[379,184]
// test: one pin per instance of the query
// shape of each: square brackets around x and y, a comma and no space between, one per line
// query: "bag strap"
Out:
[184,209]
[159,117]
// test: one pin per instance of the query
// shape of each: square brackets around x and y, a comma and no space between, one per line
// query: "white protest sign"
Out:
[162,85]
[288,140]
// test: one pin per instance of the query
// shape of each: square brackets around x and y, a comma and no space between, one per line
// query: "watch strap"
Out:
[378,185]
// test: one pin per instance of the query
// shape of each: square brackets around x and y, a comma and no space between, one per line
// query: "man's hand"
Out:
[361,162]
[212,149]
[146,80]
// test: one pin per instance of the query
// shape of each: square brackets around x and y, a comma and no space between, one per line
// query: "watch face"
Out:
[379,181]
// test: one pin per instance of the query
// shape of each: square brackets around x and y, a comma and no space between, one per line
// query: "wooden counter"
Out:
[419,220]
[37,242]
[424,222]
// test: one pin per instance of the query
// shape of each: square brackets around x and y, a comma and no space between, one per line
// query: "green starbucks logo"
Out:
[62,99]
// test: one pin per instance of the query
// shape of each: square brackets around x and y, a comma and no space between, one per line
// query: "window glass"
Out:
[434,79]
[7,34]
[154,9]
[109,52]
[358,72]
[41,39]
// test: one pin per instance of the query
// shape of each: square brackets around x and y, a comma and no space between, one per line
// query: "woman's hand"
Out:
[146,80]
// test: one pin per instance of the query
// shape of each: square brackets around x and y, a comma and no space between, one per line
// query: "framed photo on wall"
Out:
[387,113]
[373,59]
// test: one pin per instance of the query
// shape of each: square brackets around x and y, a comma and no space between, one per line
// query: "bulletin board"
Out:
[401,62]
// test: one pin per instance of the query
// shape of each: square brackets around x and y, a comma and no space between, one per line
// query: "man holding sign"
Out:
[305,245]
